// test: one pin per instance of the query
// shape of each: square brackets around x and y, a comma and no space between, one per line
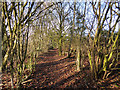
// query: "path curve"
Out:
[53,71]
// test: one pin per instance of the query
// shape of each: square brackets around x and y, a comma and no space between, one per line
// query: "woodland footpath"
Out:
[60,44]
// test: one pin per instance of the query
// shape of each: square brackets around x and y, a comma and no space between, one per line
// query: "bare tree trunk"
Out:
[60,46]
[71,31]
[94,63]
[78,58]
[60,36]
[0,45]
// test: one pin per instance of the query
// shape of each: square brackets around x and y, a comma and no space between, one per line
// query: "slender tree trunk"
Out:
[94,63]
[90,61]
[0,44]
[60,37]
[71,31]
[78,58]
[11,71]
[60,46]
[82,58]
[64,47]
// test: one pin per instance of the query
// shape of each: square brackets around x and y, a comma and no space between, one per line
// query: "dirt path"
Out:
[53,71]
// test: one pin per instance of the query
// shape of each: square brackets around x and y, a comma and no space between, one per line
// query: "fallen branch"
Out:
[27,81]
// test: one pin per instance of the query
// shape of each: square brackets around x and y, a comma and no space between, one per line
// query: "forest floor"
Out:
[53,71]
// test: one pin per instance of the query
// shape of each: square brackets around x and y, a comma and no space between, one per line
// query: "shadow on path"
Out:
[53,71]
